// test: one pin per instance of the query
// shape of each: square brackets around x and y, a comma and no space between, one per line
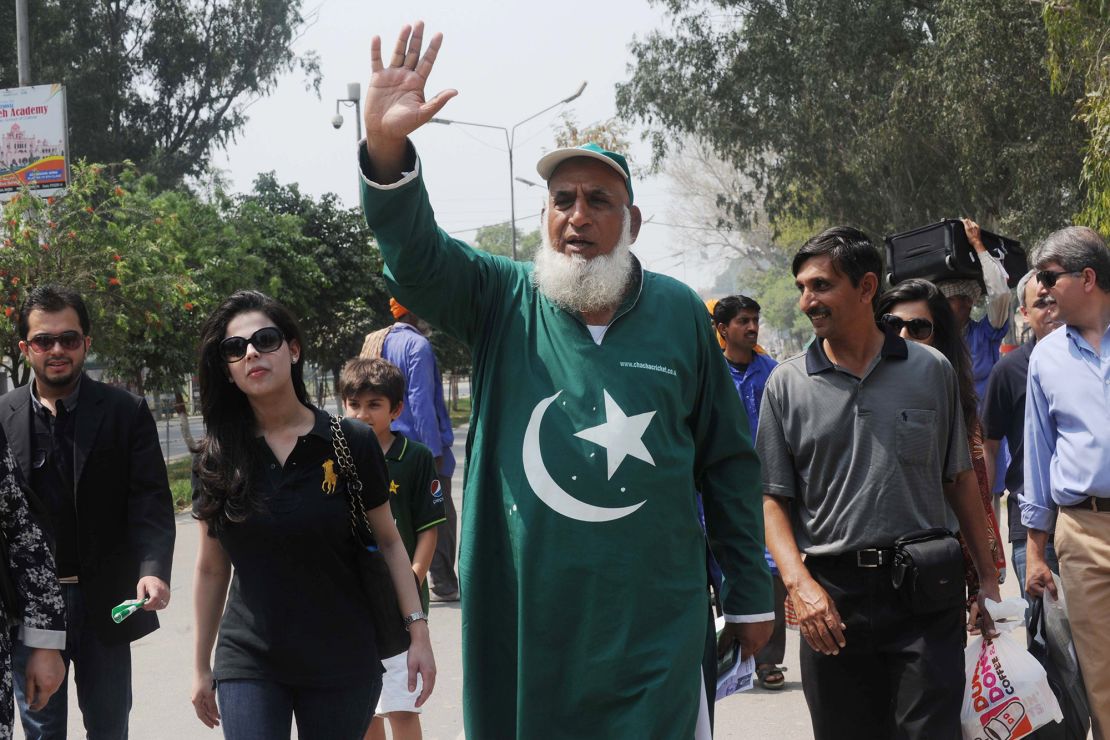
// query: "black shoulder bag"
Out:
[928,571]
[390,634]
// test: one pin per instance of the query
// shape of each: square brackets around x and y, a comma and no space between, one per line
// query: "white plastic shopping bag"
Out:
[1006,694]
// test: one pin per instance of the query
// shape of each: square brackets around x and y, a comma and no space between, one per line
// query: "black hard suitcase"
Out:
[1010,252]
[941,251]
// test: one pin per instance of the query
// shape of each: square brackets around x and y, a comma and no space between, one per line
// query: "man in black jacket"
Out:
[90,453]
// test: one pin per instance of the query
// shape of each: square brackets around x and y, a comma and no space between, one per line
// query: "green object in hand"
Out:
[126,609]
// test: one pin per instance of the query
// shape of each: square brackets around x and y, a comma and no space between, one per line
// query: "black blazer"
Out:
[125,517]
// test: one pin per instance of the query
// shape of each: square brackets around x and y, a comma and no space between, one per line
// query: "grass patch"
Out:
[181,485]
[462,415]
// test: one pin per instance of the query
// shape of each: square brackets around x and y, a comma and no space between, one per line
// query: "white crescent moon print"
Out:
[545,487]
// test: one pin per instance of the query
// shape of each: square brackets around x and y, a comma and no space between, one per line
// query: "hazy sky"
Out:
[508,60]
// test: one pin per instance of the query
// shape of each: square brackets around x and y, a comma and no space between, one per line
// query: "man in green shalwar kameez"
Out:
[601,404]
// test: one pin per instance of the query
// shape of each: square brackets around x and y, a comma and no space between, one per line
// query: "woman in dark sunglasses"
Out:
[296,640]
[918,311]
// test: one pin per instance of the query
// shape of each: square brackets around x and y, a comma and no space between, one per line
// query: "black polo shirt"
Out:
[296,612]
[863,459]
[1004,417]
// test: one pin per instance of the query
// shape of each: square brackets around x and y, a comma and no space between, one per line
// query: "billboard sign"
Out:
[33,142]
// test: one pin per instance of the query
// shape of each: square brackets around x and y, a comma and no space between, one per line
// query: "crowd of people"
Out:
[634,463]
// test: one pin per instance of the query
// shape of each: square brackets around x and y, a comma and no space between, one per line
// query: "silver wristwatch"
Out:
[414,617]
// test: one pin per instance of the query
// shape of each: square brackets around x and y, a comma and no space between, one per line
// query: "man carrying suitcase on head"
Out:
[983,336]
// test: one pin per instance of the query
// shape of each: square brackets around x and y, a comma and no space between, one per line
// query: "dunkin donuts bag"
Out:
[1006,694]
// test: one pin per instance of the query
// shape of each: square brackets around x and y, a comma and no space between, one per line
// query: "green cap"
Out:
[550,161]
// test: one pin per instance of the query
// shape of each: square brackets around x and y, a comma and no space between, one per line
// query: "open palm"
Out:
[395,104]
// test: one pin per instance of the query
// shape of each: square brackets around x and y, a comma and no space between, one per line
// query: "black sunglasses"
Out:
[266,339]
[920,329]
[69,340]
[1048,278]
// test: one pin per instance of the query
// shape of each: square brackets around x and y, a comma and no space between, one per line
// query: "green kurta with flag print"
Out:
[582,562]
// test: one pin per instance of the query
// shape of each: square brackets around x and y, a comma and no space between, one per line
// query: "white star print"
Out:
[620,435]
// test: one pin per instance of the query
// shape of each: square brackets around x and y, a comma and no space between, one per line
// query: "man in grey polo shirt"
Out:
[862,441]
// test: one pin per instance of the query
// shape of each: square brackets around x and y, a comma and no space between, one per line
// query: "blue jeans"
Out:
[102,674]
[263,710]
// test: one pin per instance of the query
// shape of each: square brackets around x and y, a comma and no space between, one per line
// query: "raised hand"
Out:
[395,104]
[974,234]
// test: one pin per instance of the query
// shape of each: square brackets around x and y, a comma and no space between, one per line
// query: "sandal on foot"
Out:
[770,676]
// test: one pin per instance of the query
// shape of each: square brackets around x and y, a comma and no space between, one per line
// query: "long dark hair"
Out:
[947,338]
[227,453]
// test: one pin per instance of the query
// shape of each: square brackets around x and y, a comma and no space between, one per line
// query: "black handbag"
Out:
[929,571]
[1064,678]
[390,635]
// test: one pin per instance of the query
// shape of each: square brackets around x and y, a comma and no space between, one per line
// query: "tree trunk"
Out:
[20,370]
[335,386]
[182,412]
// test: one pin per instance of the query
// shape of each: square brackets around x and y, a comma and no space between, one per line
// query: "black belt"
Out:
[1092,503]
[872,557]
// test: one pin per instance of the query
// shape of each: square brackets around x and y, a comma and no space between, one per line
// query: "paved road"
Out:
[163,670]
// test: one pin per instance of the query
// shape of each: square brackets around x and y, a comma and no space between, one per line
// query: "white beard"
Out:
[575,283]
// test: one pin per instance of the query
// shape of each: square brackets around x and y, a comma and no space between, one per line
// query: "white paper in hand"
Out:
[737,678]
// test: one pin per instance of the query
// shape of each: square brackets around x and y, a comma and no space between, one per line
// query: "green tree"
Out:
[337,288]
[158,82]
[498,239]
[1079,34]
[105,239]
[886,114]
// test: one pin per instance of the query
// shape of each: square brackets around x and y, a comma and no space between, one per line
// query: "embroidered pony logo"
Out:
[330,479]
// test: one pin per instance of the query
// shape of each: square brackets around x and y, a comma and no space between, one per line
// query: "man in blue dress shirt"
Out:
[1067,450]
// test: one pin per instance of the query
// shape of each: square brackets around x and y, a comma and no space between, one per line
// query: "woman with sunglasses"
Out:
[296,639]
[918,311]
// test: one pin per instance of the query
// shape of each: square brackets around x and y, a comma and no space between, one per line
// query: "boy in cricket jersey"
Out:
[373,392]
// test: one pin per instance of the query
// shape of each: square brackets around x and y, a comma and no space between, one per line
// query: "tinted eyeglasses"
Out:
[266,339]
[70,340]
[1044,301]
[1048,278]
[919,329]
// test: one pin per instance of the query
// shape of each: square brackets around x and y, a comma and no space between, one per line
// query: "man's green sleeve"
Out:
[728,478]
[440,279]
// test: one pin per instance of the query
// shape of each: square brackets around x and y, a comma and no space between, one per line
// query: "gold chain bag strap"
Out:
[390,635]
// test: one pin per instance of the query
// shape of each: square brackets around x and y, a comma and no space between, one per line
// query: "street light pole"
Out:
[510,140]
[23,42]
